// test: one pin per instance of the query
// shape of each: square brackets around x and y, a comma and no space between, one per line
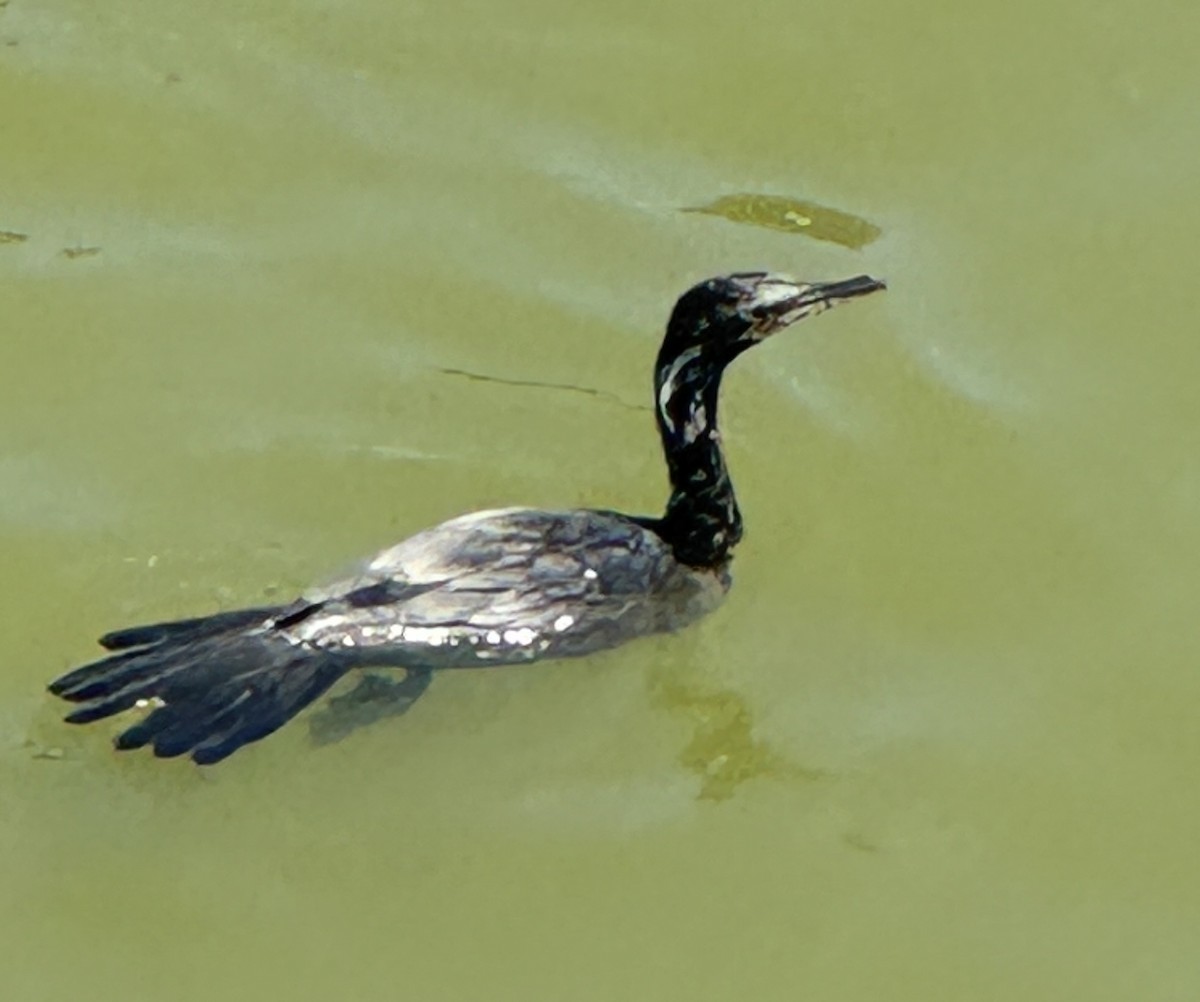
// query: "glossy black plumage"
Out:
[491,588]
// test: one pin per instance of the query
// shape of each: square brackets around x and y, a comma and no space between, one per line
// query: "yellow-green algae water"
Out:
[942,741]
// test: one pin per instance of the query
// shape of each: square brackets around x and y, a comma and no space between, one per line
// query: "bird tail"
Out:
[215,683]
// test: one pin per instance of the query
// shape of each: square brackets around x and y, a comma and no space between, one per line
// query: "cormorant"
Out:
[500,587]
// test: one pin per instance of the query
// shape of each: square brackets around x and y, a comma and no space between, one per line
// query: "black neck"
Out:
[702,522]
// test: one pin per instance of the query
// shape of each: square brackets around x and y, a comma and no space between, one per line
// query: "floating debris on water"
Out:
[12,237]
[71,253]
[590,391]
[791,215]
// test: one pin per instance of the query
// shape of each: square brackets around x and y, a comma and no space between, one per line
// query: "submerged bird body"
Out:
[497,587]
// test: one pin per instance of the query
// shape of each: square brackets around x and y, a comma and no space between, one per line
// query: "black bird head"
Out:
[711,325]
[722,317]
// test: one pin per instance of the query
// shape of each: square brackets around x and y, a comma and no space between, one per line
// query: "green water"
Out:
[941,743]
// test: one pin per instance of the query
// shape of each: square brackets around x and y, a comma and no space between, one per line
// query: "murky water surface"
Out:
[941,743]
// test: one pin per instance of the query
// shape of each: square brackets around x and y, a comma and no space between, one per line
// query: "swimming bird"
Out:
[502,587]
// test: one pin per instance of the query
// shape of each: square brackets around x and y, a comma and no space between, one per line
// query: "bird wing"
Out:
[505,586]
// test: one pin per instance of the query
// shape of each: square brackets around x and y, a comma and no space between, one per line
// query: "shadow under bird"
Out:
[499,587]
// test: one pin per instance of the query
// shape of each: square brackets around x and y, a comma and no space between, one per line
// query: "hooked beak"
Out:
[776,301]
